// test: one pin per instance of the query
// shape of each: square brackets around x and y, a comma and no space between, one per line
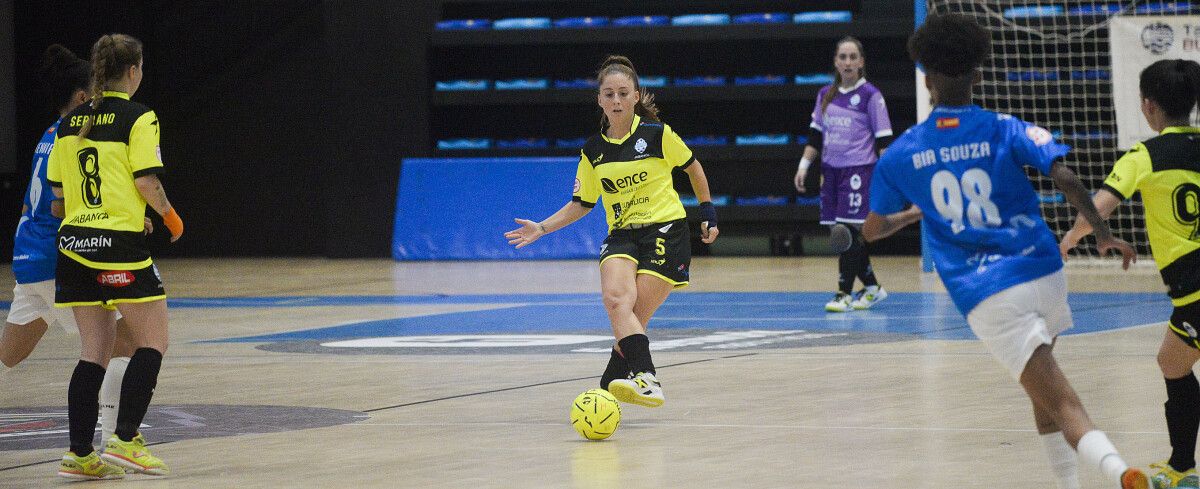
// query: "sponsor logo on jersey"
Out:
[70,243]
[947,122]
[576,186]
[118,278]
[614,186]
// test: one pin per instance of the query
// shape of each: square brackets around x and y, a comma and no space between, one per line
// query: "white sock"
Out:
[110,397]
[1095,450]
[1062,460]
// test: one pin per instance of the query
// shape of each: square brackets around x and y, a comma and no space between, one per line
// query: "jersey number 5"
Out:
[948,191]
[89,166]
[1187,207]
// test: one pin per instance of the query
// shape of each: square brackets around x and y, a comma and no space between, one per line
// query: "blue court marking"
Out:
[923,315]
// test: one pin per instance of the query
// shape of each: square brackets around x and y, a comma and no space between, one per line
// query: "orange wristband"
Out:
[173,222]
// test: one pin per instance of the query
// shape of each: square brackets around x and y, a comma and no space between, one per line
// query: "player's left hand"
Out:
[1128,255]
[708,223]
[148,226]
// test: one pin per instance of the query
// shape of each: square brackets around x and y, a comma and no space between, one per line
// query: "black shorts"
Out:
[1185,320]
[663,250]
[99,267]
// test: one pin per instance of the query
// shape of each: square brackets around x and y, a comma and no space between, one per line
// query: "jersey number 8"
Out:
[89,166]
[947,192]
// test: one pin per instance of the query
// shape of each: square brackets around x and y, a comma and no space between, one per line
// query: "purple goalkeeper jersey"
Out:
[850,125]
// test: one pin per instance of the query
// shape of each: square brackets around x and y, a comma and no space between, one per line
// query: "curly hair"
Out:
[952,44]
[63,74]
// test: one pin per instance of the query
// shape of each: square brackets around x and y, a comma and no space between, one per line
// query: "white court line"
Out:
[760,427]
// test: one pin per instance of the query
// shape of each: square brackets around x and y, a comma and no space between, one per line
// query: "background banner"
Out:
[1135,43]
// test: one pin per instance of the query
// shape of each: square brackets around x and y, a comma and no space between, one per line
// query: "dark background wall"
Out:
[283,121]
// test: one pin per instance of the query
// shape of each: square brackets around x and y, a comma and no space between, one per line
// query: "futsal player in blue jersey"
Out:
[66,79]
[963,171]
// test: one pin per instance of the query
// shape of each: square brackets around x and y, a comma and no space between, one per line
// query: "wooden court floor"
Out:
[907,413]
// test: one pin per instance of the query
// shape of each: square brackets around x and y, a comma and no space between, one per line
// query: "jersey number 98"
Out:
[948,192]
[89,166]
[1187,207]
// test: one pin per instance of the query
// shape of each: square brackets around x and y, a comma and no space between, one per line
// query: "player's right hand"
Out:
[524,235]
[1128,255]
[799,180]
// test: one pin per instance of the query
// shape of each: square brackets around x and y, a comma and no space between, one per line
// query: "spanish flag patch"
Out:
[947,122]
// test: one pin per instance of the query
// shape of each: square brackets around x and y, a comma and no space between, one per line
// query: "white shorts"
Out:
[1016,321]
[36,300]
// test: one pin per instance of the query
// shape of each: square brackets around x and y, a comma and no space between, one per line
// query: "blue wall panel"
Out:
[460,208]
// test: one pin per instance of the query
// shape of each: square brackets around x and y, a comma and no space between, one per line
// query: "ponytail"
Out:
[112,55]
[837,75]
[645,106]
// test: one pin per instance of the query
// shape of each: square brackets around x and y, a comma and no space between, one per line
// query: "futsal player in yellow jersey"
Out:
[104,166]
[1166,170]
[647,253]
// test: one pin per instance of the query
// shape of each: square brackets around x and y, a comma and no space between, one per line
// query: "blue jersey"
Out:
[964,167]
[34,250]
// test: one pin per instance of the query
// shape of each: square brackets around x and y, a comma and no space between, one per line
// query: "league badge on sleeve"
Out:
[1038,135]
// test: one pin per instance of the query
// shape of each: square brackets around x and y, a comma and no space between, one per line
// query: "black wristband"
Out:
[708,213]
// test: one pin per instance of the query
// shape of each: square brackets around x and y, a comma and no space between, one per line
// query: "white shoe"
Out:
[642,389]
[869,297]
[840,303]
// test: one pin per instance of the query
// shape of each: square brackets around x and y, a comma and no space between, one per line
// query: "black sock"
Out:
[1183,419]
[83,405]
[141,376]
[636,348]
[846,271]
[617,368]
[861,259]
[866,273]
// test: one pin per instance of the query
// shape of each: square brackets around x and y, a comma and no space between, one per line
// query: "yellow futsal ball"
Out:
[596,414]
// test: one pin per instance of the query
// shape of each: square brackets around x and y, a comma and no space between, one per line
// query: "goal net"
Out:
[1051,65]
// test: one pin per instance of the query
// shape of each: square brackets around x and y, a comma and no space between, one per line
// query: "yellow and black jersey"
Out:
[1166,169]
[633,175]
[97,175]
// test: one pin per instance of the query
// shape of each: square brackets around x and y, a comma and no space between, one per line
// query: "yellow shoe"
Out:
[1169,478]
[88,468]
[642,389]
[133,455]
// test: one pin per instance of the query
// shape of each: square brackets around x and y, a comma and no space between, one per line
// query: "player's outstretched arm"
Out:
[879,226]
[1077,195]
[708,214]
[530,231]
